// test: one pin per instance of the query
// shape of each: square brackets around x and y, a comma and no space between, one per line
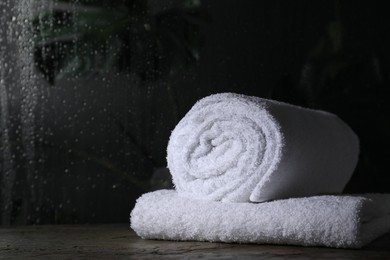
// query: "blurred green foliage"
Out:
[78,37]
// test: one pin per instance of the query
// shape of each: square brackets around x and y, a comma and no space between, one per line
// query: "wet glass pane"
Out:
[91,89]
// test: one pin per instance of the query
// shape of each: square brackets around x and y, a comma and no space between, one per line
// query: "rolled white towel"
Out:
[237,148]
[332,221]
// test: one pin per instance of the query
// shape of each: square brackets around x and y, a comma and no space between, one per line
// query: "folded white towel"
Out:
[332,221]
[237,148]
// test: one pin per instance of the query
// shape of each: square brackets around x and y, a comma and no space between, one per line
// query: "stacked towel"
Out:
[236,148]
[231,150]
[333,221]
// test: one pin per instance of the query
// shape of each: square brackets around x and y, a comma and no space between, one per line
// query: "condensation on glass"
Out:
[88,100]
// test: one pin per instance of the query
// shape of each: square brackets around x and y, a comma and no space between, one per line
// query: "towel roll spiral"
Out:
[237,148]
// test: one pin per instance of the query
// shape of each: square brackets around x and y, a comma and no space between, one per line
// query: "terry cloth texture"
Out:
[236,148]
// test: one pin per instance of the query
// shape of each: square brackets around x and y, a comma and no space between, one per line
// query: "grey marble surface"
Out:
[118,241]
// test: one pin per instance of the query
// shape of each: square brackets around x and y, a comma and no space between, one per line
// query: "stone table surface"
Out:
[118,241]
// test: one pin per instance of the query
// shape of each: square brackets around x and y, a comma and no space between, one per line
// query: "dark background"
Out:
[101,138]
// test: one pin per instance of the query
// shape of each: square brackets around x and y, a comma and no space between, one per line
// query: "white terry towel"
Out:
[332,221]
[237,148]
